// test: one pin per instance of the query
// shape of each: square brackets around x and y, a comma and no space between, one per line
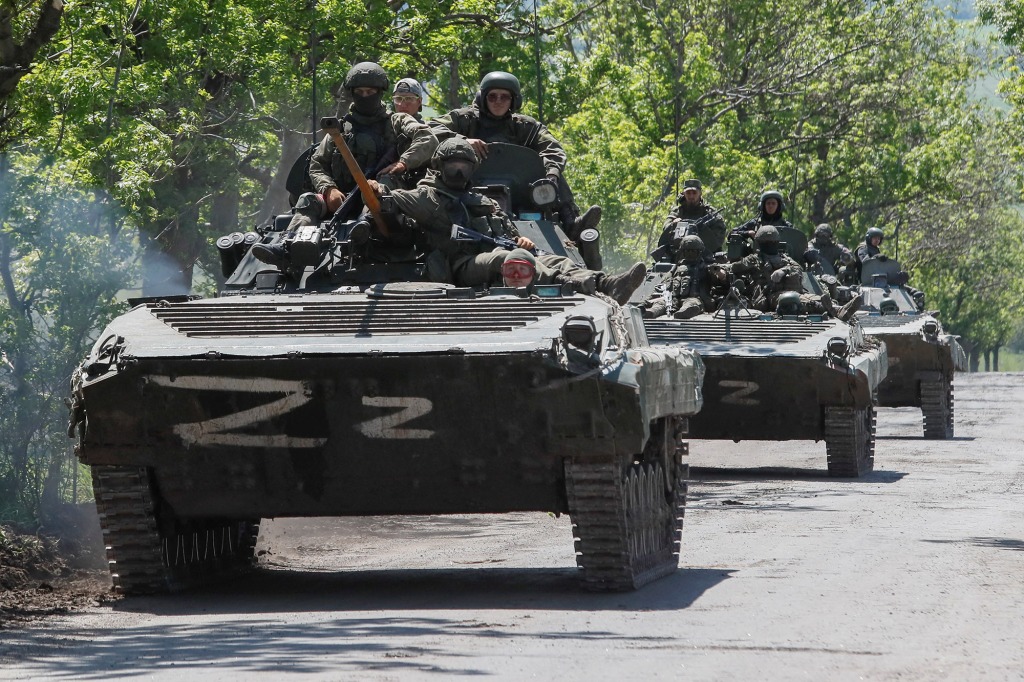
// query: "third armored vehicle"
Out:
[360,388]
[922,358]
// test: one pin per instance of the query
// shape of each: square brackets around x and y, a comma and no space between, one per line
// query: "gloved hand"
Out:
[777,275]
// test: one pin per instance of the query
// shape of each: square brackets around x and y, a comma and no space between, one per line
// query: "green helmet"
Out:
[772,194]
[366,75]
[874,232]
[823,233]
[505,81]
[766,234]
[691,247]
[789,303]
[454,148]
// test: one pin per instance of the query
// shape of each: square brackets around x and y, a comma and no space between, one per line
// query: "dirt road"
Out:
[914,573]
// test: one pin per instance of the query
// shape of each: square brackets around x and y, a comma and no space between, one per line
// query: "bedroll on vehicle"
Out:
[357,387]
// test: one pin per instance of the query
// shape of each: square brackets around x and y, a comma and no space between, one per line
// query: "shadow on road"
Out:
[275,589]
[997,543]
[770,473]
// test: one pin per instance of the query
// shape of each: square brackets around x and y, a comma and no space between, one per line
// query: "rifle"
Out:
[332,126]
[691,226]
[465,234]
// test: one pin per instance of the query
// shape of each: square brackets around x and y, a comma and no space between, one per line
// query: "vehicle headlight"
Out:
[543,193]
[580,332]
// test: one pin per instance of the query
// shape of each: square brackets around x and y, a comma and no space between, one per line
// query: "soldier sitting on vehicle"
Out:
[830,252]
[390,144]
[691,216]
[770,208]
[871,249]
[519,271]
[494,117]
[692,287]
[769,272]
[443,199]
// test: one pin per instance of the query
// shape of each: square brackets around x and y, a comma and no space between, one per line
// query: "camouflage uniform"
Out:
[763,218]
[711,233]
[476,122]
[689,290]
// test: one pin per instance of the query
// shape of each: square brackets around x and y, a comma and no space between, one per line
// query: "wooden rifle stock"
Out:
[332,126]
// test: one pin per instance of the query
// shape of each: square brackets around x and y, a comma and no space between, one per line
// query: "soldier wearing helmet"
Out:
[692,215]
[871,248]
[384,145]
[830,253]
[494,117]
[770,208]
[692,288]
[768,271]
[443,199]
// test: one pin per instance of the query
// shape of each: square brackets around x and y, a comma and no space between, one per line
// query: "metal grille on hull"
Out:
[739,331]
[360,317]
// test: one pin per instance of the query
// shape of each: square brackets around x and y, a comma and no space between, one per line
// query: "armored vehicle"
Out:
[359,388]
[780,377]
[922,358]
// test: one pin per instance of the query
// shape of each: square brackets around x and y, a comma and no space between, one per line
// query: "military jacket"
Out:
[712,233]
[867,251]
[435,208]
[754,223]
[375,141]
[515,129]
[758,267]
[830,252]
[691,280]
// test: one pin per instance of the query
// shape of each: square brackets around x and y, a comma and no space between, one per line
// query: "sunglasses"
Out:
[498,97]
[404,99]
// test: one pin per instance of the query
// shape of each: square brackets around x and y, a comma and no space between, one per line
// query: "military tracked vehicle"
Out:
[780,377]
[922,358]
[356,387]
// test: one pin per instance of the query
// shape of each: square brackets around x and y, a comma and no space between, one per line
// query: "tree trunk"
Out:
[974,359]
[995,359]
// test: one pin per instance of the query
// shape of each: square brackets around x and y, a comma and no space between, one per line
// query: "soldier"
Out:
[407,98]
[383,144]
[770,208]
[443,199]
[829,251]
[690,289]
[519,271]
[768,272]
[870,249]
[690,206]
[494,117]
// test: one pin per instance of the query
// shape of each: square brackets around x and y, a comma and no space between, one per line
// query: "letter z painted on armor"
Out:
[737,397]
[387,426]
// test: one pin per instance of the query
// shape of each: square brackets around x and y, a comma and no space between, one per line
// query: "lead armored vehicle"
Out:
[359,388]
[779,377]
[922,358]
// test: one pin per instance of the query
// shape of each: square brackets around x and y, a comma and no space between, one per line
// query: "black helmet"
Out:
[366,75]
[772,194]
[874,232]
[823,233]
[691,245]
[503,80]
[454,148]
[766,234]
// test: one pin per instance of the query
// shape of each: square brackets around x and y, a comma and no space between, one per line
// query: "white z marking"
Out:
[385,427]
[736,397]
[214,431]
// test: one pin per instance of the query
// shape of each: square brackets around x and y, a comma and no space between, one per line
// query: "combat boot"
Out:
[588,221]
[272,254]
[849,308]
[621,286]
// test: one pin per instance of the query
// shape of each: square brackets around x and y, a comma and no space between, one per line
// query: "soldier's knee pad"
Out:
[312,205]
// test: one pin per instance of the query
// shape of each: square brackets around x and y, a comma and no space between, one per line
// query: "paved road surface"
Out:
[914,573]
